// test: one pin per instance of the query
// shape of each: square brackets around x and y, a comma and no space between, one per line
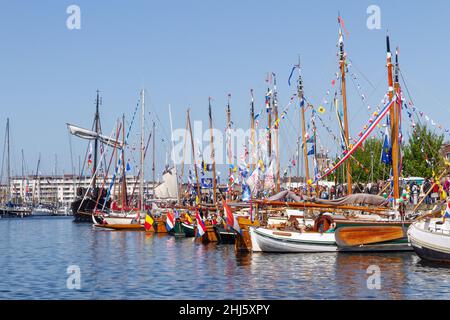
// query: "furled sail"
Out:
[90,135]
[168,188]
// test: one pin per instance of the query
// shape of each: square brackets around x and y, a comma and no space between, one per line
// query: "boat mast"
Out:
[344,105]
[97,130]
[302,111]
[212,153]
[277,149]
[153,160]
[173,154]
[124,178]
[269,123]
[252,132]
[193,155]
[8,163]
[141,178]
[228,135]
[22,187]
[395,133]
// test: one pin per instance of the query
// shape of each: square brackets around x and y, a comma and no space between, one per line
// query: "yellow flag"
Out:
[188,217]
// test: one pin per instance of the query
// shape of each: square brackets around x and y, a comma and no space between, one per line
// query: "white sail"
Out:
[90,135]
[168,188]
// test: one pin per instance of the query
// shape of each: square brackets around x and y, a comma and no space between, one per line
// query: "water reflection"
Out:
[137,265]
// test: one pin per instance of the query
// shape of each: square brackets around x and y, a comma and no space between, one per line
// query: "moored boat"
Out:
[430,239]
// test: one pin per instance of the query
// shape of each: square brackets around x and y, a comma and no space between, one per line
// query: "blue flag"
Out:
[386,153]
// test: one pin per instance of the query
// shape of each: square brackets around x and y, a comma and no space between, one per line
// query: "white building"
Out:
[62,189]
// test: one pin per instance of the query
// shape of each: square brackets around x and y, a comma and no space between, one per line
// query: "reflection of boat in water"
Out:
[430,239]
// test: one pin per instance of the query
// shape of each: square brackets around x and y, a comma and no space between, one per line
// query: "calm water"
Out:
[36,252]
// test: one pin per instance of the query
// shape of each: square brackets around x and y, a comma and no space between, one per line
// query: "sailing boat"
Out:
[11,207]
[85,203]
[134,219]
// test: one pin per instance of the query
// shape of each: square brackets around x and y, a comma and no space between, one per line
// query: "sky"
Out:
[183,52]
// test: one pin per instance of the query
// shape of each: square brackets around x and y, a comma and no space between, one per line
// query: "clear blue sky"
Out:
[182,52]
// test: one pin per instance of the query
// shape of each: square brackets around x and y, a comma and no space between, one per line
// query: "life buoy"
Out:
[322,223]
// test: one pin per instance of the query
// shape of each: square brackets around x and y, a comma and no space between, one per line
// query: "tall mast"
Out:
[8,163]
[124,178]
[97,130]
[302,110]
[395,131]
[277,148]
[228,135]
[212,153]
[193,155]
[153,159]
[173,154]
[269,124]
[252,132]
[141,178]
[344,106]
[22,188]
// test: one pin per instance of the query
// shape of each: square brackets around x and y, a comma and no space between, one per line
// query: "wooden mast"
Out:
[199,196]
[344,106]
[229,150]
[302,111]
[252,132]
[8,164]
[277,149]
[395,133]
[212,153]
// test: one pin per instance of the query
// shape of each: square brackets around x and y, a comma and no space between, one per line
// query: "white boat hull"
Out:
[270,240]
[431,241]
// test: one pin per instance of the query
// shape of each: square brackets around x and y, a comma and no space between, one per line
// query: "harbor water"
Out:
[38,256]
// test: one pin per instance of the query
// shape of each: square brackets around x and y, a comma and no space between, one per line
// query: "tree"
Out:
[366,162]
[422,153]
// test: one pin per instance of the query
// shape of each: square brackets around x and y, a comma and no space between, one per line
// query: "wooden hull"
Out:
[430,243]
[122,227]
[160,225]
[372,239]
[224,236]
[243,241]
[270,240]
[210,234]
[188,229]
[177,230]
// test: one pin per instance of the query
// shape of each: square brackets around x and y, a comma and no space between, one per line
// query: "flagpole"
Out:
[395,133]
[124,180]
[173,154]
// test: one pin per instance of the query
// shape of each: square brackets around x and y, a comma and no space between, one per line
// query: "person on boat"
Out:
[332,228]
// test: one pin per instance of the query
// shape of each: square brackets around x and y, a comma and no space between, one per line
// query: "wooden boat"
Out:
[160,225]
[177,230]
[372,238]
[223,235]
[430,239]
[210,234]
[122,227]
[189,230]
[244,241]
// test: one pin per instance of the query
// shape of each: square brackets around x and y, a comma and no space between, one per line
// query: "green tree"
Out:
[366,162]
[422,153]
